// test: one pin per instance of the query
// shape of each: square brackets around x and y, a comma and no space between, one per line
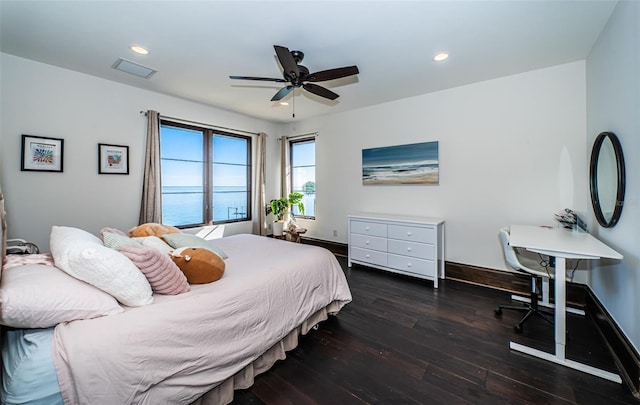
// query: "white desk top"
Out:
[560,242]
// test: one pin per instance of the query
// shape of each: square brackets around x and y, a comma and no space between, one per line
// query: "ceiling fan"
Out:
[298,76]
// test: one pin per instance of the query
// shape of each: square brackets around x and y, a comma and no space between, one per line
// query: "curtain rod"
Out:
[183,121]
[300,136]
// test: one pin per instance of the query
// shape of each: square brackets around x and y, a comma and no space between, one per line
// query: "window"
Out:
[205,175]
[303,174]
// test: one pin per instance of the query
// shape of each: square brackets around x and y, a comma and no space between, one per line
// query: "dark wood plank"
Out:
[403,342]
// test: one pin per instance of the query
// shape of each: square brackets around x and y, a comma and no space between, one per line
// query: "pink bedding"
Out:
[179,347]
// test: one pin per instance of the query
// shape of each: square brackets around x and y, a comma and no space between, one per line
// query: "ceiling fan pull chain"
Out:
[293,102]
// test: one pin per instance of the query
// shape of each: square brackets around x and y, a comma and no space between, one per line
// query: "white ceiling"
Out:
[196,45]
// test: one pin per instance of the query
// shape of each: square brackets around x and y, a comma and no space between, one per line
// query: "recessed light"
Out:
[441,56]
[138,49]
[284,103]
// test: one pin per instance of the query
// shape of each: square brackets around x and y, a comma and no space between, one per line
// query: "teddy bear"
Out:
[152,229]
[199,265]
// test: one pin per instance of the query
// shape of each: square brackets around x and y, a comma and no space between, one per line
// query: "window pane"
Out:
[180,143]
[182,205]
[229,203]
[229,149]
[182,171]
[303,175]
[303,153]
[230,178]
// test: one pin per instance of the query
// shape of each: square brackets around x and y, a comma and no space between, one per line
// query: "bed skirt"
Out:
[223,393]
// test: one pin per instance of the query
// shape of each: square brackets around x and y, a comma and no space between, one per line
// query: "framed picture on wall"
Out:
[113,159]
[416,163]
[41,154]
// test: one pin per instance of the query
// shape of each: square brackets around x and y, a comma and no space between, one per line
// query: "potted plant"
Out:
[280,207]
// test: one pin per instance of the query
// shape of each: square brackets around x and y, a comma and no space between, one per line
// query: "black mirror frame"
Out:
[593,179]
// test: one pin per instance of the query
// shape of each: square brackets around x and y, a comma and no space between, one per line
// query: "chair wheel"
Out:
[497,311]
[518,328]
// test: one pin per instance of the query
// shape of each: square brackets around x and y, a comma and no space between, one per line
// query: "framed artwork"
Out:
[415,163]
[41,154]
[113,159]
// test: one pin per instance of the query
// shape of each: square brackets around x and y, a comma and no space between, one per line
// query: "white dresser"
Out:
[408,245]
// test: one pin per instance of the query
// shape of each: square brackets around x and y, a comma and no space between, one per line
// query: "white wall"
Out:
[613,104]
[43,100]
[512,150]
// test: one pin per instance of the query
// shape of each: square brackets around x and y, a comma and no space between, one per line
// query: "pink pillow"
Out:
[23,260]
[163,274]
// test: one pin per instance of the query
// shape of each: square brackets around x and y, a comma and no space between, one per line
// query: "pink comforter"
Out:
[179,347]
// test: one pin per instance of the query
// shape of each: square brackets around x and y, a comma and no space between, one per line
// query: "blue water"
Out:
[182,205]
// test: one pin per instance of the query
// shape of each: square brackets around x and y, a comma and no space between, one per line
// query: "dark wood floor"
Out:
[402,342]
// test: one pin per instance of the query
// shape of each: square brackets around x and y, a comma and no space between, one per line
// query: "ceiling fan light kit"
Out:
[296,75]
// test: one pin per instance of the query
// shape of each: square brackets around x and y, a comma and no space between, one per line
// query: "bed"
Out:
[191,348]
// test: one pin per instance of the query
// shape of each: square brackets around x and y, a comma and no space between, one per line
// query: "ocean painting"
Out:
[415,163]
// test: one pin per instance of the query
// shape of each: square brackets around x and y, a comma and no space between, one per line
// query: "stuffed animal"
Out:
[152,229]
[199,265]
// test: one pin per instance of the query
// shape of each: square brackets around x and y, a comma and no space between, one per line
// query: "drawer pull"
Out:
[408,249]
[367,242]
[367,229]
[409,264]
[409,233]
[368,255]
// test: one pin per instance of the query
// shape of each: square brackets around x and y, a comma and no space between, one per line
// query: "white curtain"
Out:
[151,206]
[260,218]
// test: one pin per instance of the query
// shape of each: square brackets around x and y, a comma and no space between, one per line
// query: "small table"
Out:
[562,244]
[294,235]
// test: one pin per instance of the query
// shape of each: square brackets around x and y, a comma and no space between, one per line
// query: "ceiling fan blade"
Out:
[281,93]
[331,74]
[264,79]
[320,91]
[289,64]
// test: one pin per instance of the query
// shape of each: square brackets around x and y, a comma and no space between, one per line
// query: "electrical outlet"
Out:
[268,227]
[335,232]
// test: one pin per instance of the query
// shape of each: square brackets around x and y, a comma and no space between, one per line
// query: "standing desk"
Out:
[562,244]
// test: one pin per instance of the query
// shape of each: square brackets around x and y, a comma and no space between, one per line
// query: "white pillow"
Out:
[83,256]
[40,296]
[154,242]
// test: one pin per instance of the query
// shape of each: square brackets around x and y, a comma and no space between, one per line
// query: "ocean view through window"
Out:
[303,174]
[205,175]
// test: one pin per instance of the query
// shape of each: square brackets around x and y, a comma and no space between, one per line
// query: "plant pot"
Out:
[278,228]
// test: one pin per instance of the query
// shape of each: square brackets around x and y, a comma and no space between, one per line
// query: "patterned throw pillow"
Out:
[163,274]
[115,241]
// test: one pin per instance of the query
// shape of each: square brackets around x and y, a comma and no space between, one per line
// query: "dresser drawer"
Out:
[412,233]
[369,228]
[412,249]
[369,242]
[412,264]
[368,256]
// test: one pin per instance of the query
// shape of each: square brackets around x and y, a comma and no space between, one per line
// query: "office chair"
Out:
[533,269]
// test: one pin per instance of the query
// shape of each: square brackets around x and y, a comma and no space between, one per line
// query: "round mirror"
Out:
[607,179]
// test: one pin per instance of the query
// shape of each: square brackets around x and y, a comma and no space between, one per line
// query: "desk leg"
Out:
[561,304]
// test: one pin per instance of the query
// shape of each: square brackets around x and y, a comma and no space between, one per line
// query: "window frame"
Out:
[207,175]
[292,142]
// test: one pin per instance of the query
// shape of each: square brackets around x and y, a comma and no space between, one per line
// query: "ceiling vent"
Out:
[133,68]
